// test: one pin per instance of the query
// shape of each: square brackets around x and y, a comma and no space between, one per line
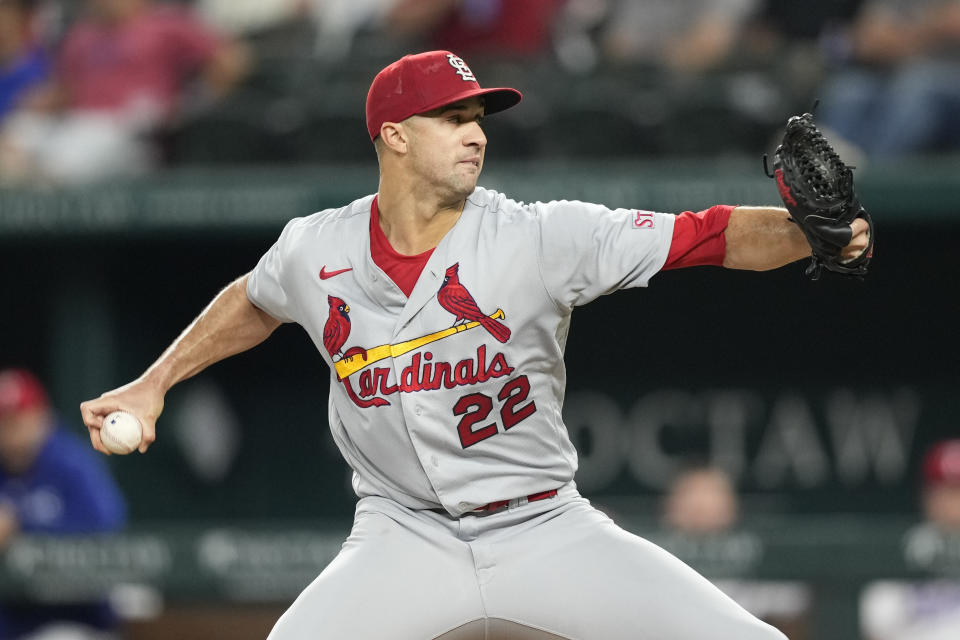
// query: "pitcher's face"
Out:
[447,146]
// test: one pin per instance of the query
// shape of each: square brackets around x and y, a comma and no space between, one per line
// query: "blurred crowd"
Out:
[96,89]
[702,504]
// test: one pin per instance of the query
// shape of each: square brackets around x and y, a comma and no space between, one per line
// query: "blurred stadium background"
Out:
[818,399]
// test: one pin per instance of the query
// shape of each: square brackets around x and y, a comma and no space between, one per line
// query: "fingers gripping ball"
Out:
[817,189]
[121,432]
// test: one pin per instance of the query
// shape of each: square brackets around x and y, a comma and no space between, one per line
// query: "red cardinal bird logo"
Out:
[455,298]
[337,328]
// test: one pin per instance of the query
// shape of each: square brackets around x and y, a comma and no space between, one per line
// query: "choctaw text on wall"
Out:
[789,440]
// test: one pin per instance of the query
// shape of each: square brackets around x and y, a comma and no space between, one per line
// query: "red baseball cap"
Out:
[20,390]
[942,463]
[424,81]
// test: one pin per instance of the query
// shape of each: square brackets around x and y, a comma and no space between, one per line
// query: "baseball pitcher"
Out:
[442,310]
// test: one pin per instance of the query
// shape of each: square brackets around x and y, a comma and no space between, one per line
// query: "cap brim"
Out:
[494,100]
[499,99]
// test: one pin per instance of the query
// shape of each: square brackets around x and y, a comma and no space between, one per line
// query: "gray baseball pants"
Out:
[547,570]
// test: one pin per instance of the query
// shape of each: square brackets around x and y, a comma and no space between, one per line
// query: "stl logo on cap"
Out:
[418,83]
[461,67]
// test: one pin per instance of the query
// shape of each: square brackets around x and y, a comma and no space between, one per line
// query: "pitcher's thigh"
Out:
[389,581]
[580,576]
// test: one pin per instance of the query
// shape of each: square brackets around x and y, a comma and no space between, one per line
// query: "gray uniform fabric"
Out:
[440,411]
[394,419]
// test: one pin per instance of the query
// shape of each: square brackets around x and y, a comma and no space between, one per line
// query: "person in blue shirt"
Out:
[51,483]
[24,64]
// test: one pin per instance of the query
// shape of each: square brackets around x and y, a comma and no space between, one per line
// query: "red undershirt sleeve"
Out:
[698,238]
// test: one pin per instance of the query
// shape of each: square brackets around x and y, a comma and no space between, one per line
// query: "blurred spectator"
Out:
[246,16]
[50,483]
[121,76]
[926,610]
[701,513]
[701,501]
[941,494]
[819,26]
[485,27]
[678,34]
[798,42]
[901,94]
[277,26]
[338,21]
[24,62]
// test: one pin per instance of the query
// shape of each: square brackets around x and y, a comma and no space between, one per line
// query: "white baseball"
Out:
[121,432]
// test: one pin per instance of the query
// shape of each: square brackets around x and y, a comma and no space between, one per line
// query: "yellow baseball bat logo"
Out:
[346,367]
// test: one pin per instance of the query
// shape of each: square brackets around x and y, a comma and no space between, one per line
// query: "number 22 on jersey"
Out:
[476,407]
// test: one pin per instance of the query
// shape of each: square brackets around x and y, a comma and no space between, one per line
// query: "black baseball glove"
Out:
[817,189]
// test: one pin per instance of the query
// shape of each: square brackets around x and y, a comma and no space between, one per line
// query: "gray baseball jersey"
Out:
[452,398]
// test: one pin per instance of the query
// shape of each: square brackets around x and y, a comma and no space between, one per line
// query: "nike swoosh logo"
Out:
[324,274]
